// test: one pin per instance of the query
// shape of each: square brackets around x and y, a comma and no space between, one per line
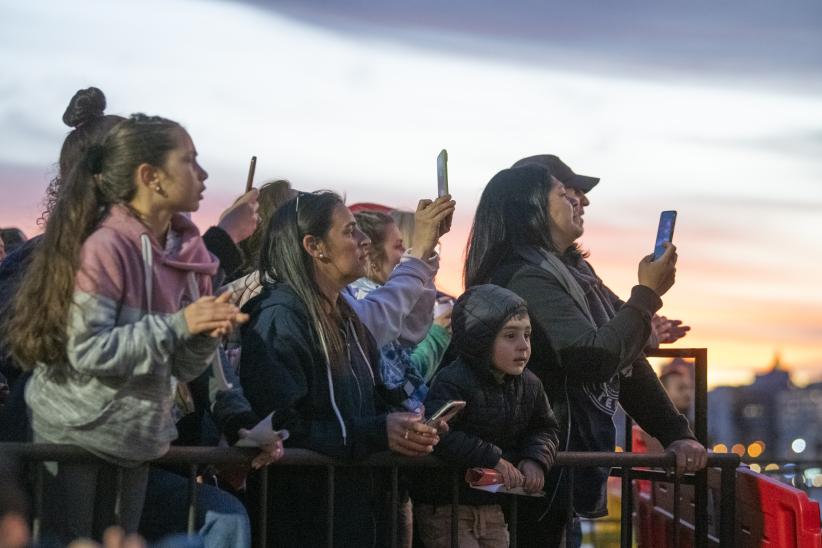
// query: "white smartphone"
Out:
[442,173]
[446,412]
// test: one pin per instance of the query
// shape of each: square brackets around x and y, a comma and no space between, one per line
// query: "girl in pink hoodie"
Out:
[115,310]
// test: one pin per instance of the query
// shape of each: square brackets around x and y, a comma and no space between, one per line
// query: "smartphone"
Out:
[442,173]
[665,232]
[446,412]
[443,305]
[249,183]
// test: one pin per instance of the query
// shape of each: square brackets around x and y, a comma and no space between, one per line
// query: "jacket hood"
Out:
[478,316]
[187,252]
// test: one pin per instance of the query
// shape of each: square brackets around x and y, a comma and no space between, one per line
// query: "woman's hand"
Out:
[213,315]
[511,477]
[241,219]
[659,275]
[668,331]
[431,220]
[534,477]
[444,320]
[408,435]
[269,452]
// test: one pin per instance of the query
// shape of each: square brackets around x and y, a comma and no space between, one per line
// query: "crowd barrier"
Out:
[192,456]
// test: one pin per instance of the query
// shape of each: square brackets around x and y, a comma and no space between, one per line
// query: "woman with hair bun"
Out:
[115,309]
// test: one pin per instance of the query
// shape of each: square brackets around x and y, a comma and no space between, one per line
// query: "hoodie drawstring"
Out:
[148,267]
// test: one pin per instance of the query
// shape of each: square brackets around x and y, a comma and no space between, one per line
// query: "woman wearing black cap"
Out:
[587,346]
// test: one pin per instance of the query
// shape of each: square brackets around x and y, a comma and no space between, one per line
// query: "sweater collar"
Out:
[188,251]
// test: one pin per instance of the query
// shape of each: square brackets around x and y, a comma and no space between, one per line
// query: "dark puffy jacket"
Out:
[505,416]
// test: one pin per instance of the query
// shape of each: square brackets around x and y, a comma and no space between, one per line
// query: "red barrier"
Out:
[769,514]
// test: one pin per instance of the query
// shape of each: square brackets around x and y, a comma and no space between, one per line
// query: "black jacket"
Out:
[282,370]
[573,359]
[509,419]
[506,416]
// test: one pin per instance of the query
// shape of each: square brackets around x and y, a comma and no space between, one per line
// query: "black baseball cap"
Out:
[560,170]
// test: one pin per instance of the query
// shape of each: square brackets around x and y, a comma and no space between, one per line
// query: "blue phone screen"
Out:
[665,232]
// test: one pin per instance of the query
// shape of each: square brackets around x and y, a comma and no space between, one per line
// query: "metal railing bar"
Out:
[305,457]
[570,520]
[675,532]
[331,495]
[39,487]
[118,493]
[455,509]
[513,518]
[626,531]
[727,506]
[395,505]
[262,541]
[192,499]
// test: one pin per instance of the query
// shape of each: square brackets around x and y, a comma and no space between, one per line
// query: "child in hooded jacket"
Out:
[507,423]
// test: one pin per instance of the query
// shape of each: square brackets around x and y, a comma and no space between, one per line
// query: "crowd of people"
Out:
[125,331]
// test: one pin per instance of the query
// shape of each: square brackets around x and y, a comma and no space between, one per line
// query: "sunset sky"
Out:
[715,112]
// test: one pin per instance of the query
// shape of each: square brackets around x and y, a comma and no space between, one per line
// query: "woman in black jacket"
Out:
[587,344]
[307,358]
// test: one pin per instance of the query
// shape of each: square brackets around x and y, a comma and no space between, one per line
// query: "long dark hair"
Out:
[104,176]
[86,114]
[512,211]
[283,258]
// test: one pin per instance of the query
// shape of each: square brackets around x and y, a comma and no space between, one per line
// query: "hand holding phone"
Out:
[664,233]
[446,412]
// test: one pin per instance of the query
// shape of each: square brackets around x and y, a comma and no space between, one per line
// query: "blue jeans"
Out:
[221,518]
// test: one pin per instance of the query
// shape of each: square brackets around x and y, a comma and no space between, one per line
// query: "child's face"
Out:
[512,346]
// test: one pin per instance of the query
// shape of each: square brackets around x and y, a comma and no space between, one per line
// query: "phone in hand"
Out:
[252,167]
[446,412]
[442,173]
[443,305]
[665,232]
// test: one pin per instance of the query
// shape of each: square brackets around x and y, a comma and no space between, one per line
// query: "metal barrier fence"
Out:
[192,456]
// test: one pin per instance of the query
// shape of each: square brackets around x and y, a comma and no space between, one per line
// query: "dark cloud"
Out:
[762,40]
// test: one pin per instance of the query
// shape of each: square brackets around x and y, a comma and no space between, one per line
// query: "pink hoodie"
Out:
[127,338]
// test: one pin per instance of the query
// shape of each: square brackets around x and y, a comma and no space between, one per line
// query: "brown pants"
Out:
[479,526]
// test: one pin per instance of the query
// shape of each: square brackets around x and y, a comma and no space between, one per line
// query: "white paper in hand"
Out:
[262,434]
[219,374]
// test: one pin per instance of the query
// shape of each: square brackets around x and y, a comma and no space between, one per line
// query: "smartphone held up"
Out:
[442,173]
[664,233]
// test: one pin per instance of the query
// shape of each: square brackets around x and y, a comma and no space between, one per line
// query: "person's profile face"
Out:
[681,391]
[393,249]
[581,198]
[566,224]
[345,247]
[512,346]
[183,176]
